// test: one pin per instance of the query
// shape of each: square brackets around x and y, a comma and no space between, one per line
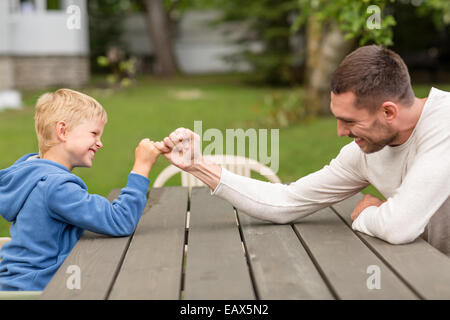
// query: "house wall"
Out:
[44,48]
[199,47]
[50,71]
[6,73]
[46,33]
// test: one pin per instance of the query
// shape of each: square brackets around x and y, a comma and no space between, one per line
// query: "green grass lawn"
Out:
[153,108]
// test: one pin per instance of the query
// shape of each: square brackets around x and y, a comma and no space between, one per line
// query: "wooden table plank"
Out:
[216,267]
[423,267]
[281,266]
[98,258]
[153,264]
[345,260]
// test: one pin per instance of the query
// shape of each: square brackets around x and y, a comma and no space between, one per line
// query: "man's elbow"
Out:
[281,219]
[288,216]
[401,236]
[284,218]
[399,240]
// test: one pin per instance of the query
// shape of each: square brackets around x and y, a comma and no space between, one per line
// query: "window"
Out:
[27,6]
[53,5]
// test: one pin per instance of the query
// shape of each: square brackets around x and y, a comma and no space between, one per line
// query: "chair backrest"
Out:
[236,164]
[4,240]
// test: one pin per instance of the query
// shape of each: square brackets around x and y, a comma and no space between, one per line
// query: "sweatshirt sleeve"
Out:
[404,216]
[281,203]
[70,202]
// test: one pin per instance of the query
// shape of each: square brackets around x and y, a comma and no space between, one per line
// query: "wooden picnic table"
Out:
[200,247]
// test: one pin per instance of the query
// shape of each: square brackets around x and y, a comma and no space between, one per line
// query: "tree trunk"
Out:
[161,39]
[326,47]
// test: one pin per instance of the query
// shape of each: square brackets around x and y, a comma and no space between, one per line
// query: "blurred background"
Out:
[156,65]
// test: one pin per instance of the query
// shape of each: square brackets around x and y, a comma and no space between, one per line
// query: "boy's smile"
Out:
[78,145]
[83,142]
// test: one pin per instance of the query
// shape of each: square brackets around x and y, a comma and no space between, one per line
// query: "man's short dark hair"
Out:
[374,74]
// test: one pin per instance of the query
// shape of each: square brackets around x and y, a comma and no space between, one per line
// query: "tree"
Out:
[105,26]
[268,24]
[335,26]
[162,16]
[332,30]
[160,33]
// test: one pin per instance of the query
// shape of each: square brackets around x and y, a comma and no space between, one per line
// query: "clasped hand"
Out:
[181,148]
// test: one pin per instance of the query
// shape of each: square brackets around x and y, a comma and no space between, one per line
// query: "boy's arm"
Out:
[69,201]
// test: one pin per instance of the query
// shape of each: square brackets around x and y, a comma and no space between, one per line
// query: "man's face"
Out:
[370,131]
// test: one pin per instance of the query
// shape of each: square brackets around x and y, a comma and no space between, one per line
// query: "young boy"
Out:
[48,206]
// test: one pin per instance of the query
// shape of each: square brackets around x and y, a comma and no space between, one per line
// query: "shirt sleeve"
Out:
[404,216]
[281,203]
[70,202]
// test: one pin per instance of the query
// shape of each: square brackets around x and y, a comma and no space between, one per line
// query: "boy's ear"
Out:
[61,131]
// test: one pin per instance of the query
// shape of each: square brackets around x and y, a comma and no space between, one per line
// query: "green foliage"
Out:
[280,109]
[122,70]
[438,9]
[351,17]
[180,6]
[53,4]
[106,25]
[268,24]
[417,21]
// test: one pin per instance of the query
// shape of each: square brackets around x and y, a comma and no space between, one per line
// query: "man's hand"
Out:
[367,201]
[181,148]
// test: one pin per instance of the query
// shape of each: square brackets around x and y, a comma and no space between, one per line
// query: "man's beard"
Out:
[388,136]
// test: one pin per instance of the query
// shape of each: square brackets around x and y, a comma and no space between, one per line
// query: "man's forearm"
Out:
[207,172]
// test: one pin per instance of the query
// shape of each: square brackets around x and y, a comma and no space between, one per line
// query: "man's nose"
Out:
[342,129]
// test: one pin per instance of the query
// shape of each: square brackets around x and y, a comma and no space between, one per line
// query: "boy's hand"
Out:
[145,156]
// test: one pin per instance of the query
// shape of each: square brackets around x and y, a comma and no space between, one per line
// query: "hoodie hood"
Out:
[17,182]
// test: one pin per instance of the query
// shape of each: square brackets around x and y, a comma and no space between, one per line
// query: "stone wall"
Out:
[50,71]
[6,73]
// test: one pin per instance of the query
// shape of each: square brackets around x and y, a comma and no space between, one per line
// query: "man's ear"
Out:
[389,111]
[61,131]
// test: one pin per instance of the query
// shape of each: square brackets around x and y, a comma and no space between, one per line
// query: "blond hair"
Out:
[66,105]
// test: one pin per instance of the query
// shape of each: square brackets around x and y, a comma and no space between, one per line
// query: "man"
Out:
[401,146]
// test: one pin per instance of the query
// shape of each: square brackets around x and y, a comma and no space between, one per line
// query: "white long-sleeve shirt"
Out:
[414,178]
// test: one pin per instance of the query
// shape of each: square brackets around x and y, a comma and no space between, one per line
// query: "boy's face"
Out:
[83,141]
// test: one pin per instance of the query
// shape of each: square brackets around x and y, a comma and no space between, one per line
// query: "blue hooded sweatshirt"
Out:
[49,208]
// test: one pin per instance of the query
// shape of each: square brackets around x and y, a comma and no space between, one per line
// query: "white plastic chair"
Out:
[236,164]
[4,240]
